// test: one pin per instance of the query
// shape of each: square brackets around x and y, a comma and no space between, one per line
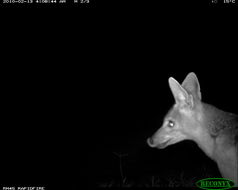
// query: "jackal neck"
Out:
[218,121]
[220,129]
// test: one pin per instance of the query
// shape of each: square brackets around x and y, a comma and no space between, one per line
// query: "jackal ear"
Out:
[180,95]
[191,85]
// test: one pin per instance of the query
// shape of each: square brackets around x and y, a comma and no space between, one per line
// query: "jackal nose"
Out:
[150,142]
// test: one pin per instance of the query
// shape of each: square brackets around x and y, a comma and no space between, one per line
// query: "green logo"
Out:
[215,183]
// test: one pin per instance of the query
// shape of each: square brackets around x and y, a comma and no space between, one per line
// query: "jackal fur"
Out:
[215,131]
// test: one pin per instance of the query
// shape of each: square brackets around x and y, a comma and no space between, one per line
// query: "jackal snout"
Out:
[182,121]
[159,139]
[152,143]
[215,131]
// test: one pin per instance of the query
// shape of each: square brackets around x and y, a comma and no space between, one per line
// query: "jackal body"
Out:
[215,131]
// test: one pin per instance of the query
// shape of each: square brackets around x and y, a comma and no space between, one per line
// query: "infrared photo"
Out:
[163,128]
[118,94]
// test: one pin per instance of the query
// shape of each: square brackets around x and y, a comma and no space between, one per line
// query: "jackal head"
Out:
[184,119]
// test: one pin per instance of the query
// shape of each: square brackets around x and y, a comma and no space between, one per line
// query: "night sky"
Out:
[129,107]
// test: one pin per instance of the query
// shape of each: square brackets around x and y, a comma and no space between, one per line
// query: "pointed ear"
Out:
[191,85]
[180,95]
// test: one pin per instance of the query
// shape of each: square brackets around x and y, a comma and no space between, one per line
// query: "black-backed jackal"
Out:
[215,131]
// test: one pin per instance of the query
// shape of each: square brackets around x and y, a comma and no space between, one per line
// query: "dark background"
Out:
[33,135]
[98,80]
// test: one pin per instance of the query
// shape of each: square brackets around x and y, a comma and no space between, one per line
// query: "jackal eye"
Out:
[171,123]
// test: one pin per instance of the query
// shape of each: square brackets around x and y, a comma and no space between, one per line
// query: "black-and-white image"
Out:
[164,129]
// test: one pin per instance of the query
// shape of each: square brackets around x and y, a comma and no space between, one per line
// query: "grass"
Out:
[150,182]
[171,179]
